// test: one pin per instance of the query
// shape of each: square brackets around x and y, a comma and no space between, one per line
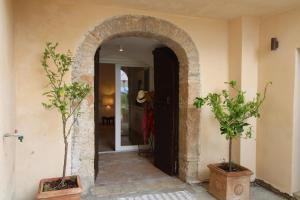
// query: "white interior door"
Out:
[122,120]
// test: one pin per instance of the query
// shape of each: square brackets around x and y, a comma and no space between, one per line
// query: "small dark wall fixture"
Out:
[274,44]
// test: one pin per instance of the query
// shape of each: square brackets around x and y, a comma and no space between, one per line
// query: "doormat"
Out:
[180,195]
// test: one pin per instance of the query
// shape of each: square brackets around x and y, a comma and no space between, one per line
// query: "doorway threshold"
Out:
[105,152]
[133,148]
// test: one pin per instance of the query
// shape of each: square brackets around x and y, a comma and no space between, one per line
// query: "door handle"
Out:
[168,100]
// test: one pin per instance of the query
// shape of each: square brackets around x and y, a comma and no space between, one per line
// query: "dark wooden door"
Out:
[166,109]
[96,110]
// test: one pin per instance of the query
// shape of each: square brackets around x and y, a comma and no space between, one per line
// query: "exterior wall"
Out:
[250,39]
[37,22]
[7,102]
[243,48]
[235,63]
[276,138]
[63,21]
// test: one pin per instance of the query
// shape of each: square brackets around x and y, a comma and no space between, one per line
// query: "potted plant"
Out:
[228,180]
[66,99]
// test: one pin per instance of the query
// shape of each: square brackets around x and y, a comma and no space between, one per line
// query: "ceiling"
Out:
[136,49]
[226,9]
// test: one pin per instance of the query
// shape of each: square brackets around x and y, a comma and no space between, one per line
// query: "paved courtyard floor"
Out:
[127,176]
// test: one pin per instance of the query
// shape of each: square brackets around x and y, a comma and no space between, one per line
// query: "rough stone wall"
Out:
[82,158]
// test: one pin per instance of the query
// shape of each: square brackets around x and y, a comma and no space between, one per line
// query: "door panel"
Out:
[132,80]
[166,83]
[96,109]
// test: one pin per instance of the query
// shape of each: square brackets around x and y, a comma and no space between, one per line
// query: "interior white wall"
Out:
[136,50]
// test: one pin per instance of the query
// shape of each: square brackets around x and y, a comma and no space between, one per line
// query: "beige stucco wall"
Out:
[219,43]
[235,62]
[7,102]
[249,72]
[67,22]
[243,59]
[275,128]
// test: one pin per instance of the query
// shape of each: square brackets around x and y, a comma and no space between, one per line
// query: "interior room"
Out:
[126,66]
[126,114]
[106,107]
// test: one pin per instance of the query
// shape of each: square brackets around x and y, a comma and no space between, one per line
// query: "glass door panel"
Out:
[131,80]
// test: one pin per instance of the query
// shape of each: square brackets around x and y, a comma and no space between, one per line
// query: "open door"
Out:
[166,109]
[96,108]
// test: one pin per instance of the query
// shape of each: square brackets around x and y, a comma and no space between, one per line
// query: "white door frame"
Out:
[118,146]
[118,64]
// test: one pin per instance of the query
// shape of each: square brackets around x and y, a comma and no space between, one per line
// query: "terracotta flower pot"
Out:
[70,194]
[226,185]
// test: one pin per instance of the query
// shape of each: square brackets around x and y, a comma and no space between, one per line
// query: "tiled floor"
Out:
[175,195]
[129,176]
[107,138]
[125,168]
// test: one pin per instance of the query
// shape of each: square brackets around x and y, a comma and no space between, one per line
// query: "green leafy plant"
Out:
[232,112]
[63,96]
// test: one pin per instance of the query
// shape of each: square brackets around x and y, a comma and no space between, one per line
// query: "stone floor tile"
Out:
[125,175]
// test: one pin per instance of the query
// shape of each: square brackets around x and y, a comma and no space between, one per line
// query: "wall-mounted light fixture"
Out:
[108,107]
[107,101]
[274,44]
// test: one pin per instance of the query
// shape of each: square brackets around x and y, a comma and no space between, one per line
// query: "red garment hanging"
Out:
[148,122]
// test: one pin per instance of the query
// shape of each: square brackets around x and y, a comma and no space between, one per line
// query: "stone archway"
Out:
[82,154]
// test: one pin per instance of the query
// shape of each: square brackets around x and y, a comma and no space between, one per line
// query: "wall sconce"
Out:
[108,107]
[107,101]
[274,44]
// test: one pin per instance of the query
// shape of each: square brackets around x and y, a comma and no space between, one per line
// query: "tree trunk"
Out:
[230,152]
[65,158]
[66,150]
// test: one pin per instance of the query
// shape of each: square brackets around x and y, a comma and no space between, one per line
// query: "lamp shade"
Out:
[107,100]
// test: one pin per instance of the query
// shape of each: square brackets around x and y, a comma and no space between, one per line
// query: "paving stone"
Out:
[198,191]
[128,175]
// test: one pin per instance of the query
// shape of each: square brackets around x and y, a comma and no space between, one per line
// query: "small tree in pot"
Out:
[232,113]
[66,98]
